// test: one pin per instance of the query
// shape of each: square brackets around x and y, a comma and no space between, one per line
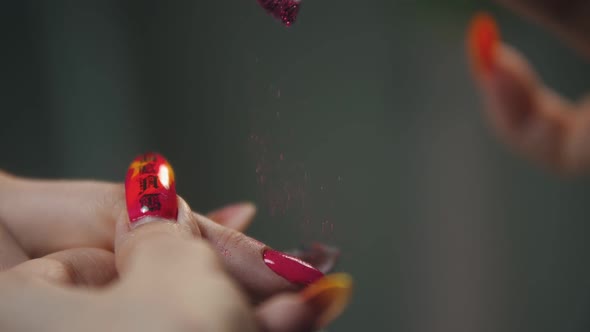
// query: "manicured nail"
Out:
[150,189]
[318,255]
[284,10]
[483,40]
[329,297]
[291,268]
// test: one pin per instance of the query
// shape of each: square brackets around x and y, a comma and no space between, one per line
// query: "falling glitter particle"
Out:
[284,10]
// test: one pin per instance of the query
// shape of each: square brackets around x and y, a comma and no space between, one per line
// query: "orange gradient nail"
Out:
[329,295]
[482,42]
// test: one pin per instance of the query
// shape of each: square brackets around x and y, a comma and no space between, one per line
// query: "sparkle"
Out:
[164,176]
[285,10]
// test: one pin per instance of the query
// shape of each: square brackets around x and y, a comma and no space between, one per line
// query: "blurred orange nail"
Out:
[483,39]
[329,295]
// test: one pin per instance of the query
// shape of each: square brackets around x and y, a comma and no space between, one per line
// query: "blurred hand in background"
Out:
[527,115]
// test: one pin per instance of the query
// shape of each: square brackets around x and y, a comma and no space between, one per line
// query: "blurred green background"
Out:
[385,152]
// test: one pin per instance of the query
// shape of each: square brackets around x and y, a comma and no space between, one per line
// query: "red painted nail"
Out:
[483,40]
[291,268]
[150,188]
[284,10]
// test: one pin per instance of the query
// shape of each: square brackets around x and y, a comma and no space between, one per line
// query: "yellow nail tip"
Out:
[330,295]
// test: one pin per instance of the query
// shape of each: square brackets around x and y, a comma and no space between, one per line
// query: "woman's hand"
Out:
[171,280]
[526,114]
[46,218]
[53,222]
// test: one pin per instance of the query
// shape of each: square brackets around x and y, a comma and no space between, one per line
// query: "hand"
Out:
[170,281]
[64,220]
[528,116]
[187,265]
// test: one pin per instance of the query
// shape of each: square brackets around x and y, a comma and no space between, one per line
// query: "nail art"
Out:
[483,41]
[329,296]
[150,188]
[291,268]
[284,10]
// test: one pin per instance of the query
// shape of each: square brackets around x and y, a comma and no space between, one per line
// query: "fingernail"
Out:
[291,268]
[150,189]
[483,40]
[329,297]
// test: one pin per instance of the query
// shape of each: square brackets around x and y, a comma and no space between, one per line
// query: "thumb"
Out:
[156,235]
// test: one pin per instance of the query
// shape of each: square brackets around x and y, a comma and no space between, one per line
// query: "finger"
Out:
[312,308]
[568,17]
[236,216]
[525,114]
[156,222]
[162,258]
[90,222]
[81,266]
[11,254]
[49,216]
[260,270]
[33,304]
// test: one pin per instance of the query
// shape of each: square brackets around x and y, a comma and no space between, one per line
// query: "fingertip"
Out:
[236,216]
[155,218]
[483,38]
[510,92]
[523,112]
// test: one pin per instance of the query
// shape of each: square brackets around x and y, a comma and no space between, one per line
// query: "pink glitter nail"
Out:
[285,10]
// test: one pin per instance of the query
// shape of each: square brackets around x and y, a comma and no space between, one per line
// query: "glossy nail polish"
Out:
[328,296]
[284,10]
[292,269]
[483,41]
[150,188]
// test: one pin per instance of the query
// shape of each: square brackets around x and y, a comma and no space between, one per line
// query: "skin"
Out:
[528,116]
[57,238]
[58,260]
